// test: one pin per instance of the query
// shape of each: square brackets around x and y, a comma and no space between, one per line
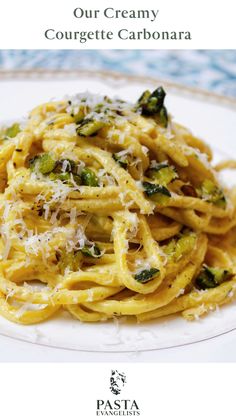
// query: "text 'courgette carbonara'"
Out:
[111,209]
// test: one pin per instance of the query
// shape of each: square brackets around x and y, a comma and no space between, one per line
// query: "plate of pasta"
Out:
[117,212]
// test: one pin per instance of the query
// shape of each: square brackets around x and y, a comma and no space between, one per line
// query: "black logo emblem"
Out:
[117,381]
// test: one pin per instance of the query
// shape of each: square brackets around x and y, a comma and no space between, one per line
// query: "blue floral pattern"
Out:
[214,70]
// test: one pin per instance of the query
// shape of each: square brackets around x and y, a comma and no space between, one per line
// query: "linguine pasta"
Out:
[112,209]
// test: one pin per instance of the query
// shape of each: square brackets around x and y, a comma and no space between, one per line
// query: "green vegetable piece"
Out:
[89,178]
[219,274]
[169,248]
[121,160]
[152,103]
[212,193]
[13,130]
[205,281]
[92,251]
[69,260]
[211,277]
[152,189]
[90,127]
[221,203]
[46,164]
[162,173]
[175,249]
[208,187]
[155,102]
[56,170]
[164,117]
[67,173]
[142,101]
[160,94]
[79,116]
[184,245]
[146,275]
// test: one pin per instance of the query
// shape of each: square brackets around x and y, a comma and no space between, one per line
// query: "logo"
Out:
[125,406]
[117,381]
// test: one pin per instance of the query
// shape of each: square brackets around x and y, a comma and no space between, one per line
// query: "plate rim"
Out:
[122,351]
[114,78]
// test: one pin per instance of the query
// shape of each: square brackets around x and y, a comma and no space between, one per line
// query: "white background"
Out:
[212,23]
[167,391]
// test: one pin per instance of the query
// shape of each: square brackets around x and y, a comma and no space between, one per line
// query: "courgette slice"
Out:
[146,275]
[92,251]
[211,277]
[44,163]
[212,193]
[13,130]
[152,104]
[69,260]
[90,127]
[176,249]
[88,177]
[153,189]
[162,173]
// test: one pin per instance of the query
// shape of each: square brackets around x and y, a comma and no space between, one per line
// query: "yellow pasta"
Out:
[112,209]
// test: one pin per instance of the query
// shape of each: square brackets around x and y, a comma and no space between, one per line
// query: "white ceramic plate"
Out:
[210,117]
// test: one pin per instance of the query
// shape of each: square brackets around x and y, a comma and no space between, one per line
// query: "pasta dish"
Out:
[110,209]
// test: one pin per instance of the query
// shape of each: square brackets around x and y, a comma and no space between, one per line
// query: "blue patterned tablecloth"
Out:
[214,70]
